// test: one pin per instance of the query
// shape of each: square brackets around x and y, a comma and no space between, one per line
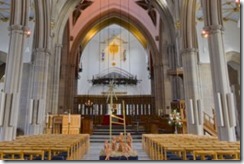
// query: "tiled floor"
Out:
[95,148]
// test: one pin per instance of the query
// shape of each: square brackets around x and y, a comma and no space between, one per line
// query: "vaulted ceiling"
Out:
[231,12]
[5,6]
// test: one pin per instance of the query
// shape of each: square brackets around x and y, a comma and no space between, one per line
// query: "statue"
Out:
[126,150]
[120,139]
[119,146]
[114,144]
[129,140]
[107,149]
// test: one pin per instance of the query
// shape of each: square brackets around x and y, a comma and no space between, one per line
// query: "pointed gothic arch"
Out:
[115,16]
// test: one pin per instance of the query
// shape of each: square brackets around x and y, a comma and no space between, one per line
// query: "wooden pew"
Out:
[75,146]
[185,146]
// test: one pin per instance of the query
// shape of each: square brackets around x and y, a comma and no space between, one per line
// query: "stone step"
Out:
[106,129]
[101,140]
[102,133]
[116,133]
[107,136]
[118,127]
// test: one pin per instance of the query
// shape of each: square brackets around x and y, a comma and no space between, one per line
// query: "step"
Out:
[99,128]
[106,136]
[99,140]
[102,132]
[116,133]
[118,127]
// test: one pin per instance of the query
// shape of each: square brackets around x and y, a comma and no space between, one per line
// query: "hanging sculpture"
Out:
[103,55]
[124,55]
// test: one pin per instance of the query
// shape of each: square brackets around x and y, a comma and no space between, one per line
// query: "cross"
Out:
[111,94]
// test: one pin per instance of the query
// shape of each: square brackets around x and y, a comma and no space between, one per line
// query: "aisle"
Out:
[95,148]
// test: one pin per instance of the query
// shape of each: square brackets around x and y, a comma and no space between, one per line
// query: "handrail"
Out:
[209,121]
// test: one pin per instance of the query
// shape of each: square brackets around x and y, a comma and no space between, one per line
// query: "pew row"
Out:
[46,147]
[189,147]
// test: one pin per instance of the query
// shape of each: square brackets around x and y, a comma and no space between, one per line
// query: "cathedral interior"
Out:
[158,79]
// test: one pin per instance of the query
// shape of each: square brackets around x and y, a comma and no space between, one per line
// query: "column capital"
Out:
[189,50]
[42,50]
[15,27]
[214,28]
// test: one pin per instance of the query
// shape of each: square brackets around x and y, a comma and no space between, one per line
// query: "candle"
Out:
[47,118]
[69,118]
[79,107]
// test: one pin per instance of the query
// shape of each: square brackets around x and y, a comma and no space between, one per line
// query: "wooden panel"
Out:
[70,130]
[87,126]
[59,124]
[73,127]
[74,120]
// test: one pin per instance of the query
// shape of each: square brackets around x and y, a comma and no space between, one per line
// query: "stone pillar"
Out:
[64,57]
[39,97]
[166,85]
[162,75]
[9,105]
[171,52]
[192,92]
[56,74]
[189,53]
[157,88]
[223,98]
[38,91]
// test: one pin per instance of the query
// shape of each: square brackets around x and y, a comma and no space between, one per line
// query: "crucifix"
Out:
[111,95]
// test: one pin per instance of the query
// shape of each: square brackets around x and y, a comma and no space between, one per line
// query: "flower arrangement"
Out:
[175,119]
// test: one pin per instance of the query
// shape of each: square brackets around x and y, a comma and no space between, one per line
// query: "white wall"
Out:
[202,44]
[232,34]
[29,44]
[136,62]
[4,39]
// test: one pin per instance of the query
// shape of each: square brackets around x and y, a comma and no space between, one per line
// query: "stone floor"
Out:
[95,148]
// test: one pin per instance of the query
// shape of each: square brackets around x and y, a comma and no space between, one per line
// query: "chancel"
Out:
[120,80]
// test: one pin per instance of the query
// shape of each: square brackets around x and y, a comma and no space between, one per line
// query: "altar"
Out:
[106,119]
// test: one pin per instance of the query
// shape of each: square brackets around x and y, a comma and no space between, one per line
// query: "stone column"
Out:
[9,105]
[39,97]
[171,52]
[223,98]
[38,91]
[56,74]
[192,92]
[157,88]
[166,85]
[189,53]
[163,73]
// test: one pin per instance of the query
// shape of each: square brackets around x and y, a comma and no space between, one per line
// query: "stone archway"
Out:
[116,17]
[167,40]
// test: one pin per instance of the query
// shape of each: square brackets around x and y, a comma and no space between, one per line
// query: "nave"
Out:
[56,69]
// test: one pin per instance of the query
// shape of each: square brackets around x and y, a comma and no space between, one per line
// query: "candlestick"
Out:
[69,118]
[47,118]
